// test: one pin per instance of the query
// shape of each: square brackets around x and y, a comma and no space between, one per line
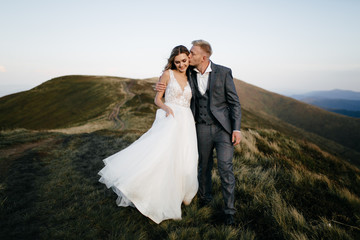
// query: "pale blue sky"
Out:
[280,45]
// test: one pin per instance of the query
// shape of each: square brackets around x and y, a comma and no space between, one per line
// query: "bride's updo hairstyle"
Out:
[176,51]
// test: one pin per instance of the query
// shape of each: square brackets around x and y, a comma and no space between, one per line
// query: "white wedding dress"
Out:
[158,171]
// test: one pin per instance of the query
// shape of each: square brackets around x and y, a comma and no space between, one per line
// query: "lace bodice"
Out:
[174,93]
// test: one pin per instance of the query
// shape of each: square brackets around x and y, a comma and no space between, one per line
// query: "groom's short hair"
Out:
[204,45]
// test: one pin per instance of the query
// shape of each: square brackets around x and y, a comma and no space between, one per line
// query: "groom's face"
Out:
[196,56]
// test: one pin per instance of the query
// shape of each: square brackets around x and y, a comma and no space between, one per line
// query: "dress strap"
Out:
[171,74]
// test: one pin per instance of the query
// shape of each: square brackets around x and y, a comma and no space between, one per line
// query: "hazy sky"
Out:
[280,45]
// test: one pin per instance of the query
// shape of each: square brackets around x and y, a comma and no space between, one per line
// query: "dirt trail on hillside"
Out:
[114,115]
[9,155]
[18,150]
[100,122]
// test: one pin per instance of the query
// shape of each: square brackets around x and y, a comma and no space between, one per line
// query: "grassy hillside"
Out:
[328,129]
[285,189]
[72,100]
[78,104]
[290,183]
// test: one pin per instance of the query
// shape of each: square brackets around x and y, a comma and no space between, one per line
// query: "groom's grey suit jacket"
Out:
[223,99]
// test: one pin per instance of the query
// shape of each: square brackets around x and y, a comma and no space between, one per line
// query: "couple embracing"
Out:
[173,160]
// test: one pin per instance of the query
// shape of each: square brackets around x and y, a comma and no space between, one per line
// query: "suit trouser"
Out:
[210,137]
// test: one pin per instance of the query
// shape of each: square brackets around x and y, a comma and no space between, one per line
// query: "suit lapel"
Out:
[212,78]
[193,79]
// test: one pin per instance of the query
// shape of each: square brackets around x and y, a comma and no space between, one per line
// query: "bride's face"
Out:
[181,62]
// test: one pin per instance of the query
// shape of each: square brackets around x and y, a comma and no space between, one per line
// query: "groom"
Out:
[217,112]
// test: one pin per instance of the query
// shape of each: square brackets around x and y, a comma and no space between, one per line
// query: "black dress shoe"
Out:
[229,220]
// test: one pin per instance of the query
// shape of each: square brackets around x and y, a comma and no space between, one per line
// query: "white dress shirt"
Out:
[203,79]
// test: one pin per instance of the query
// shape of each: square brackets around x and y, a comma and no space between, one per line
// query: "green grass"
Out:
[71,101]
[51,191]
[68,101]
[310,119]
[291,183]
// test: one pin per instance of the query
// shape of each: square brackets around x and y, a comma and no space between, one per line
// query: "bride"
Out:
[158,172]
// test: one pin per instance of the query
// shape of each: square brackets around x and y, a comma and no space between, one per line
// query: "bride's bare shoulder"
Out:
[165,76]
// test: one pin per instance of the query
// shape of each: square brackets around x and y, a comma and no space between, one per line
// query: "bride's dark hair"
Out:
[176,51]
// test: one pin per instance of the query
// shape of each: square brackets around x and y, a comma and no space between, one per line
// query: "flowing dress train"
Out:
[158,172]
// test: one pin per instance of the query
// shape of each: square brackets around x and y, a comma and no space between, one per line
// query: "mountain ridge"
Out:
[290,183]
[344,102]
[301,115]
[329,94]
[75,101]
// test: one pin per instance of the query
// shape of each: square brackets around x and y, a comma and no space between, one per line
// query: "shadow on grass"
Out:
[52,192]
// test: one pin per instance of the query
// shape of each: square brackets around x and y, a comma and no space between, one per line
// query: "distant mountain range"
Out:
[331,94]
[339,101]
